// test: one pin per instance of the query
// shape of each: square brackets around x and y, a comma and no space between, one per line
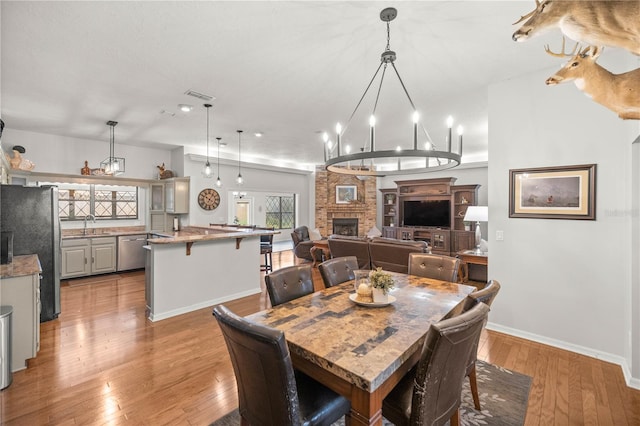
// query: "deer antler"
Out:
[562,54]
[522,18]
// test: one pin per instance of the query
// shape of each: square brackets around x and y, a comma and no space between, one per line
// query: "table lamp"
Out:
[477,214]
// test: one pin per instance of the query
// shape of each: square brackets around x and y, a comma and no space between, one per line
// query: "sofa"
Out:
[340,246]
[302,244]
[387,253]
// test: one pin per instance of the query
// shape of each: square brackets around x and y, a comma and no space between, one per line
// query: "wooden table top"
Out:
[363,345]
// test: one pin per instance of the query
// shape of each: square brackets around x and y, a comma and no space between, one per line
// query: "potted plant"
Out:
[467,226]
[381,284]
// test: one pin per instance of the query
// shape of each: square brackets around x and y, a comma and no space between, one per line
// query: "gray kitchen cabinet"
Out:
[23,294]
[103,255]
[156,198]
[75,258]
[88,256]
[176,195]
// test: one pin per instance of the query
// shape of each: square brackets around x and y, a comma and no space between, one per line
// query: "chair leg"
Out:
[455,419]
[474,388]
[269,262]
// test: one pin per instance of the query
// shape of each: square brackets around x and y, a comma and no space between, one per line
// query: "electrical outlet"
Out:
[499,235]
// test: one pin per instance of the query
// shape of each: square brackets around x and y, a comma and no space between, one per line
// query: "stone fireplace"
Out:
[362,210]
[346,226]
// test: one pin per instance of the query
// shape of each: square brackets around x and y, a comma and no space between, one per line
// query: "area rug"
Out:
[503,397]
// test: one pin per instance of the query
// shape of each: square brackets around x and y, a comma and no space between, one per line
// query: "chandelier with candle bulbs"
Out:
[422,156]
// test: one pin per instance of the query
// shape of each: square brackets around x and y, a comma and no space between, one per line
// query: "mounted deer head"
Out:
[618,92]
[598,23]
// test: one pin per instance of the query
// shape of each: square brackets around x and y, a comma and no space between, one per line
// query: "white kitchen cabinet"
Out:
[176,195]
[23,294]
[88,256]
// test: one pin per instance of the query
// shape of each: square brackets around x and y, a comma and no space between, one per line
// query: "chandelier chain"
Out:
[388,36]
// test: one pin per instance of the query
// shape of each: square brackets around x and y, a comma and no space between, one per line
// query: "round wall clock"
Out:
[208,199]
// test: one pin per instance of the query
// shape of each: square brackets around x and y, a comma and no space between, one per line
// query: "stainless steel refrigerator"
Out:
[31,214]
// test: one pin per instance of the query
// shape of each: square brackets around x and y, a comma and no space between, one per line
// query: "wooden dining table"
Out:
[362,352]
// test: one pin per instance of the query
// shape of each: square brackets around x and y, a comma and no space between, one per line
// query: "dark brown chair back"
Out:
[300,234]
[445,354]
[289,283]
[338,270]
[270,391]
[437,380]
[434,266]
[261,361]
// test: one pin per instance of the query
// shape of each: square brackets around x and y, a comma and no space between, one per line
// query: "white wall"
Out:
[65,155]
[257,183]
[565,282]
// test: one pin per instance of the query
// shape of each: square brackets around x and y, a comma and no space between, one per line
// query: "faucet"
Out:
[89,216]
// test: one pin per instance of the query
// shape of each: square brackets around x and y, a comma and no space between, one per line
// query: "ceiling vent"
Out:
[199,95]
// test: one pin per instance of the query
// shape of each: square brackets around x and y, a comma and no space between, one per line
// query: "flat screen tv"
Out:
[433,213]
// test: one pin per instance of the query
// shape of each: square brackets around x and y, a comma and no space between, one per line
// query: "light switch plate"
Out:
[499,235]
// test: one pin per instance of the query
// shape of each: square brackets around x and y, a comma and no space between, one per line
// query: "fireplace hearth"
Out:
[345,226]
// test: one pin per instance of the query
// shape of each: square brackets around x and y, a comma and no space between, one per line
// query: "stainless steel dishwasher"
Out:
[131,254]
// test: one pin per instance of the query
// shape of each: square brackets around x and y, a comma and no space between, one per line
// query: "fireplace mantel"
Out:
[355,207]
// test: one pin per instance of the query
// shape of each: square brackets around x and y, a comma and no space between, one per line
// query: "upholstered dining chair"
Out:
[270,391]
[486,295]
[434,266]
[338,270]
[289,283]
[430,393]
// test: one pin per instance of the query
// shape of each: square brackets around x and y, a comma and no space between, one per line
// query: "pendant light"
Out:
[207,172]
[218,182]
[239,179]
[112,165]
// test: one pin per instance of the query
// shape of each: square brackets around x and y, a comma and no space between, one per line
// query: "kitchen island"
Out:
[199,267]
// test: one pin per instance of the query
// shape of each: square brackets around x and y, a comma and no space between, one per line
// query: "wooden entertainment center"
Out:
[447,239]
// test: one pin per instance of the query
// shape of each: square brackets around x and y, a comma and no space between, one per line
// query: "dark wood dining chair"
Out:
[270,391]
[434,266]
[430,393]
[486,295]
[338,270]
[289,283]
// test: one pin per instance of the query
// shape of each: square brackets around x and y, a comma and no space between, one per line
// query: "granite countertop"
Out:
[27,264]
[363,345]
[69,234]
[207,233]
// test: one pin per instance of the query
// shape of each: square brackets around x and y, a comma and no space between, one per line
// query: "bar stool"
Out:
[266,249]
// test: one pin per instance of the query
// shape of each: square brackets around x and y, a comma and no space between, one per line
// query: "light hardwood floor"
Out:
[101,362]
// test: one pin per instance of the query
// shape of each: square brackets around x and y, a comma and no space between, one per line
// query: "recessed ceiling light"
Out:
[258,134]
[185,107]
[223,144]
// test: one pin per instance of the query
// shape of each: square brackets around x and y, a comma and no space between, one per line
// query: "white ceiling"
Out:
[288,69]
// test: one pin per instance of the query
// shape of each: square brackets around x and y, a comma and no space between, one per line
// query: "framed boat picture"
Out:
[564,192]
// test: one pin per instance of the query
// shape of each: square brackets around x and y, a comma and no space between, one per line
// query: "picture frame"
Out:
[345,194]
[562,192]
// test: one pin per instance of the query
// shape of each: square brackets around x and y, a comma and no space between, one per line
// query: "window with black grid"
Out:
[280,212]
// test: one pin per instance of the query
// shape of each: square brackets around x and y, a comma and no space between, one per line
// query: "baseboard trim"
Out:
[632,382]
[205,304]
